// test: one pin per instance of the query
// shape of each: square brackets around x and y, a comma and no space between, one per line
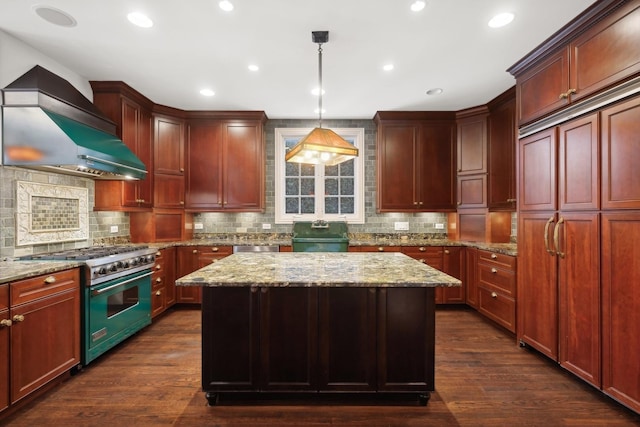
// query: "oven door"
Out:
[114,311]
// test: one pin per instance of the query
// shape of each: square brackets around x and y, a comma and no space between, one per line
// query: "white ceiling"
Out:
[194,44]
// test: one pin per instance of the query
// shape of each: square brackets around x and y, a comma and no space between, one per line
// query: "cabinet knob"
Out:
[195,251]
[446,252]
[181,202]
[158,267]
[415,203]
[159,280]
[380,249]
[158,292]
[494,295]
[18,318]
[5,322]
[422,260]
[494,271]
[494,256]
[511,200]
[181,169]
[420,203]
[422,249]
[215,249]
[49,280]
[158,253]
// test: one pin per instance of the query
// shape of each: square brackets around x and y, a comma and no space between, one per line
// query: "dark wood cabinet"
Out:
[45,330]
[620,302]
[472,142]
[163,288]
[501,178]
[496,287]
[620,148]
[190,259]
[226,164]
[131,112]
[169,163]
[471,282]
[593,52]
[449,262]
[416,161]
[5,324]
[374,249]
[538,169]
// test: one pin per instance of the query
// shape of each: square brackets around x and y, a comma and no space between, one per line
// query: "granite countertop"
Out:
[10,271]
[324,269]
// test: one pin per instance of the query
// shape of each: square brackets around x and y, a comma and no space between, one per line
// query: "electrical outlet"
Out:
[198,226]
[114,229]
[401,226]
[439,226]
[241,230]
[266,226]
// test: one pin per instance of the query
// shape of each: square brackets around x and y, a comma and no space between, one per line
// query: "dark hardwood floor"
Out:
[482,379]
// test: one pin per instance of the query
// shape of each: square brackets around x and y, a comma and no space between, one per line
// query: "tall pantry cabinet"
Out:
[579,198]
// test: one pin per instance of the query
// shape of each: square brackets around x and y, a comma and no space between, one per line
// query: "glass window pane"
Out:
[346,187]
[307,170]
[308,205]
[307,186]
[292,187]
[331,186]
[347,205]
[292,205]
[292,169]
[331,205]
[347,168]
[331,170]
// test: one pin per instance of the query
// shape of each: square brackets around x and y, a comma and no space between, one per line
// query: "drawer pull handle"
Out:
[494,256]
[423,261]
[5,322]
[158,267]
[159,280]
[49,280]
[494,271]
[158,292]
[215,249]
[195,251]
[494,295]
[380,249]
[18,318]
[422,249]
[158,253]
[446,252]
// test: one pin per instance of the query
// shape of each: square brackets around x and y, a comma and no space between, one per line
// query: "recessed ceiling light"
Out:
[434,91]
[388,67]
[226,5]
[316,91]
[317,111]
[501,20]
[207,92]
[253,67]
[418,5]
[55,16]
[140,19]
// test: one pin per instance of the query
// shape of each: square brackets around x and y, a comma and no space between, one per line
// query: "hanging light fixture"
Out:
[321,146]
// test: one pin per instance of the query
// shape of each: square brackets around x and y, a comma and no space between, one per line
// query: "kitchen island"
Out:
[318,324]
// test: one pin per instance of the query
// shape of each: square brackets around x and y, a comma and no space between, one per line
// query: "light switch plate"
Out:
[266,226]
[440,226]
[198,226]
[401,226]
[114,229]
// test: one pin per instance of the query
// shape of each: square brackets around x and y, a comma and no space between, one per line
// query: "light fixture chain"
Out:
[320,84]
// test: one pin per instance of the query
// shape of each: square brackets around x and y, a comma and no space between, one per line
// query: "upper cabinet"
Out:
[472,158]
[594,52]
[226,163]
[416,161]
[131,112]
[168,162]
[501,185]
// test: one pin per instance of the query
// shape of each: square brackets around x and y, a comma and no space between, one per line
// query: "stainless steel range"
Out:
[116,299]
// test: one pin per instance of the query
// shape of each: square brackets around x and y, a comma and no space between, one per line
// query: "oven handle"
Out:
[99,291]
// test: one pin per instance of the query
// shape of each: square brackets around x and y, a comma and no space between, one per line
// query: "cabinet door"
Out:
[472,145]
[472,277]
[397,171]
[144,190]
[168,191]
[436,172]
[347,341]
[454,266]
[406,339]
[539,90]
[579,294]
[538,171]
[46,343]
[204,171]
[501,190]
[230,351]
[4,347]
[169,146]
[244,167]
[472,191]
[620,303]
[129,135]
[289,338]
[187,262]
[621,155]
[578,159]
[606,53]
[537,290]
[169,255]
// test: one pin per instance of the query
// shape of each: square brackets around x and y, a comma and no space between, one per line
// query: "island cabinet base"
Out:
[318,342]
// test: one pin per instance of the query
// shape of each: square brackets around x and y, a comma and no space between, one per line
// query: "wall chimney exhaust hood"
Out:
[48,124]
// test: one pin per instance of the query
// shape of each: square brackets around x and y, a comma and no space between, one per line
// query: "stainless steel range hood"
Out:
[48,124]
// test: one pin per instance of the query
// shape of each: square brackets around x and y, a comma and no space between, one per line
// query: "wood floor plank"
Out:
[482,379]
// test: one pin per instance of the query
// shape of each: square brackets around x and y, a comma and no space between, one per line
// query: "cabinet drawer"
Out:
[497,260]
[42,286]
[374,249]
[4,297]
[215,250]
[497,307]
[430,255]
[503,280]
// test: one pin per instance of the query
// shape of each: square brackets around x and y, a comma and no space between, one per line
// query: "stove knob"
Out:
[119,265]
[102,271]
[125,264]
[150,259]
[142,260]
[112,268]
[134,262]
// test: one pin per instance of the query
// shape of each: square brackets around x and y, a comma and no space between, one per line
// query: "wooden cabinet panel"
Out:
[244,167]
[503,281]
[192,258]
[430,255]
[28,290]
[374,249]
[472,191]
[169,191]
[537,283]
[4,347]
[496,281]
[472,145]
[397,168]
[501,186]
[497,307]
[168,145]
[538,171]
[621,155]
[453,265]
[204,167]
[437,168]
[578,165]
[620,302]
[347,339]
[289,338]
[471,282]
[163,289]
[161,225]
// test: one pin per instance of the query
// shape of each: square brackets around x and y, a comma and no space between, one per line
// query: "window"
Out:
[310,192]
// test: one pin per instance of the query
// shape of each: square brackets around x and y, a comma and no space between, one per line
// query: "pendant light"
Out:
[321,146]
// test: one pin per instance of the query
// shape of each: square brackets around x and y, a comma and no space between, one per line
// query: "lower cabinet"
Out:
[496,286]
[163,287]
[190,259]
[448,260]
[40,332]
[317,339]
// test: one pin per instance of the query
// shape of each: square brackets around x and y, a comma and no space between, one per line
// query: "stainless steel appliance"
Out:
[116,297]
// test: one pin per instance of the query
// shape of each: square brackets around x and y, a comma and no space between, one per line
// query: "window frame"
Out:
[281,217]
